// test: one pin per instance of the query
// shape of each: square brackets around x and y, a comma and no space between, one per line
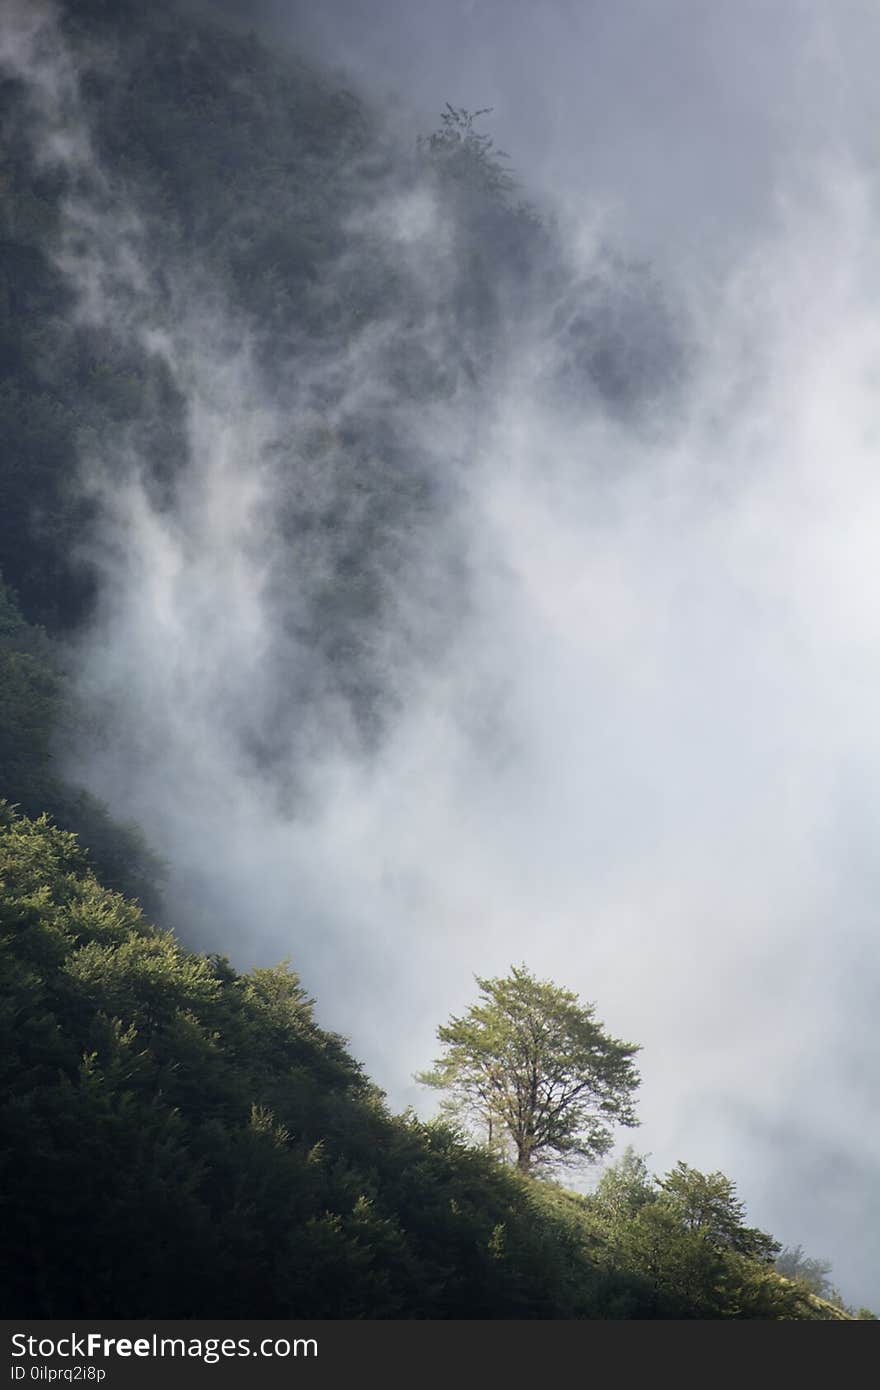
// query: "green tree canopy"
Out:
[534,1069]
[625,1187]
[794,1263]
[707,1202]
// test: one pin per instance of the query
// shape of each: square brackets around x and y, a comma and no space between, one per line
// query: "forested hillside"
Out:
[182,1140]
[178,1138]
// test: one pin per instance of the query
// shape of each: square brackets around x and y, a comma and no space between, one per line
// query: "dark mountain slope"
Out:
[182,1140]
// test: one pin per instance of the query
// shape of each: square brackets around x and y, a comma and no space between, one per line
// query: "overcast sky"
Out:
[679,117]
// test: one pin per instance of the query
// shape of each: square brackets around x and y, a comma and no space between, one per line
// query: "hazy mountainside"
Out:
[39,716]
[259,182]
[183,1140]
[235,314]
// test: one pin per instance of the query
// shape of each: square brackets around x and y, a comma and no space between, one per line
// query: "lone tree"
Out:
[466,155]
[531,1066]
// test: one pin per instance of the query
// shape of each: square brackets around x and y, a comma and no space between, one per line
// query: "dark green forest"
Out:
[182,1140]
[178,1138]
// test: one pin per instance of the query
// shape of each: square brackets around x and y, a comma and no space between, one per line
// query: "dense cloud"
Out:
[627,666]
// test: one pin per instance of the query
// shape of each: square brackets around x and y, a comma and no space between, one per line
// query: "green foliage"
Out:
[532,1066]
[186,1140]
[707,1203]
[181,1140]
[812,1273]
[625,1187]
[685,1235]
